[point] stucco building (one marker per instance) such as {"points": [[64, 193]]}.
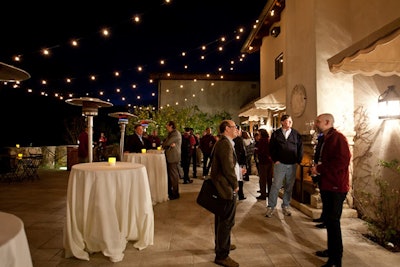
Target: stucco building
{"points": [[331, 56], [210, 93]]}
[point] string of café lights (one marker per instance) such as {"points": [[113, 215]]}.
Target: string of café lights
{"points": [[219, 43]]}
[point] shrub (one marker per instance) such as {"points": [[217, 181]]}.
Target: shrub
{"points": [[382, 208]]}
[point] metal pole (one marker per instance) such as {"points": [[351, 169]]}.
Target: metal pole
{"points": [[90, 138], [121, 142]]}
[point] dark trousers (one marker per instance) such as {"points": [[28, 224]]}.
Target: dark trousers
{"points": [[185, 163], [240, 192], [323, 213], [248, 165], [333, 206], [265, 178], [194, 162], [173, 180], [206, 168], [223, 226]]}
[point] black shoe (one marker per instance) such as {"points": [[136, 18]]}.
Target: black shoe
{"points": [[173, 197], [320, 220], [328, 264], [321, 225], [227, 262], [261, 197], [322, 253], [188, 182]]}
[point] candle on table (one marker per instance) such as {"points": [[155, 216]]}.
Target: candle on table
{"points": [[112, 160]]}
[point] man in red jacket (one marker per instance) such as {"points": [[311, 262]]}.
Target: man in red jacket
{"points": [[334, 170]]}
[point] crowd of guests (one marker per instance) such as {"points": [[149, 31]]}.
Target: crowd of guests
{"points": [[277, 158], [227, 159]]}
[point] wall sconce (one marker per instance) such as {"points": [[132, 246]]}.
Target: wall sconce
{"points": [[275, 31], [389, 104]]}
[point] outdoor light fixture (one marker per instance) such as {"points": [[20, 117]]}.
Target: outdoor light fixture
{"points": [[389, 104], [275, 31]]}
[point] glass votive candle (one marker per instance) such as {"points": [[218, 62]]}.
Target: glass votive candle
{"points": [[159, 148], [143, 150], [112, 160], [17, 145], [20, 155]]}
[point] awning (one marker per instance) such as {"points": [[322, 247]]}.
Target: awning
{"points": [[378, 53], [259, 107]]}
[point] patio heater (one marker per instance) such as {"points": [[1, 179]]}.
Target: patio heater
{"points": [[10, 73], [90, 108], [122, 121]]}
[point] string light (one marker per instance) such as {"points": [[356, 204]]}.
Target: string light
{"points": [[106, 33]]}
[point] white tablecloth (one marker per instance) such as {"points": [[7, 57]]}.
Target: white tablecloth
{"points": [[106, 207], [14, 248], [156, 167]]}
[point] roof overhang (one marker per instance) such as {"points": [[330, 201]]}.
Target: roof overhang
{"points": [[378, 53], [260, 107], [270, 15]]}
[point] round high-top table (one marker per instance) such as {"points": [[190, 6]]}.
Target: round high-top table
{"points": [[14, 248], [107, 206], [156, 167]]}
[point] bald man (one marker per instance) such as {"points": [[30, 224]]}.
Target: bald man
{"points": [[333, 168]]}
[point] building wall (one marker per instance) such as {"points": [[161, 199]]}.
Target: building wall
{"points": [[312, 31], [301, 60], [211, 96]]}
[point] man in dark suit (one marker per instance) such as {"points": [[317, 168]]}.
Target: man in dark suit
{"points": [[224, 174], [172, 146], [136, 141]]}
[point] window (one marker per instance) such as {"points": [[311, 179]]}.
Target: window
{"points": [[279, 66]]}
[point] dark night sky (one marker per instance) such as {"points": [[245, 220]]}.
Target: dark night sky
{"points": [[165, 31]]}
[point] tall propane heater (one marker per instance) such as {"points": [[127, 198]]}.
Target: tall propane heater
{"points": [[90, 107], [123, 118], [10, 73]]}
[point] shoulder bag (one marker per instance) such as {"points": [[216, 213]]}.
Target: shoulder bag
{"points": [[209, 199]]}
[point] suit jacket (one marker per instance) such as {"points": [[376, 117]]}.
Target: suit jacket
{"points": [[223, 165], [173, 154], [134, 145]]}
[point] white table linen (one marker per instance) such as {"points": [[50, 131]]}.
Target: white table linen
{"points": [[107, 206], [156, 167], [14, 248]]}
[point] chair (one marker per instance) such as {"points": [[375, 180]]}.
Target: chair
{"points": [[31, 165], [8, 169]]}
